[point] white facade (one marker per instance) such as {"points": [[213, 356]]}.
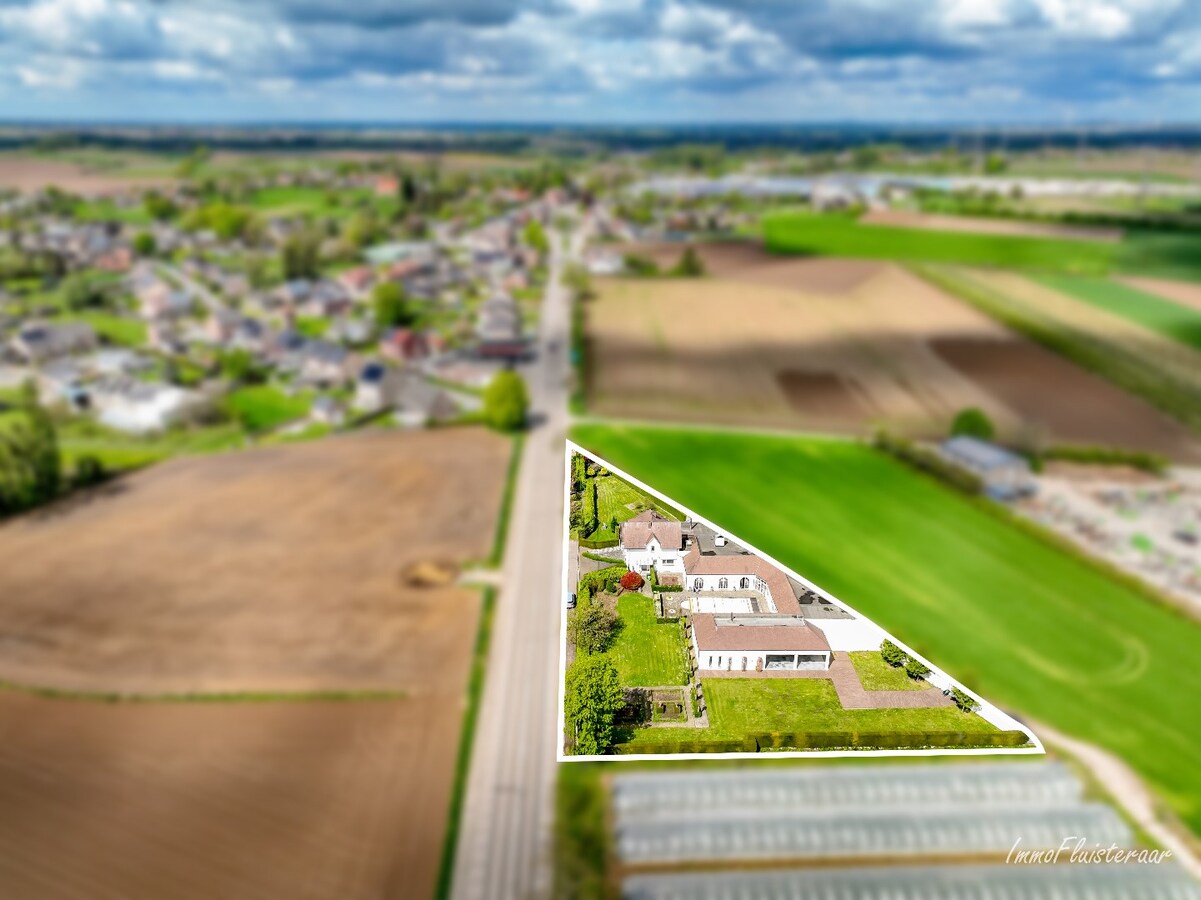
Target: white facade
{"points": [[654, 554], [749, 660], [717, 583]]}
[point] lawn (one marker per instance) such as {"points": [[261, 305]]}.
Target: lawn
{"points": [[1030, 626], [742, 706], [647, 653], [1167, 253], [614, 497], [264, 407], [1172, 320], [118, 451], [877, 675], [122, 330], [292, 201]]}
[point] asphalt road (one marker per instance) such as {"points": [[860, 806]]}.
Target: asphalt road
{"points": [[505, 833]]}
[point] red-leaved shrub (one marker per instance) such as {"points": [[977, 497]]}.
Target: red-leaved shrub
{"points": [[631, 581]]}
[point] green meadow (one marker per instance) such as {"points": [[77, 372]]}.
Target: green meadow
{"points": [[1034, 628], [1172, 320], [1167, 253]]}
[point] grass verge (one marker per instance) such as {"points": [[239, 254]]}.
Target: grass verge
{"points": [[475, 690]]}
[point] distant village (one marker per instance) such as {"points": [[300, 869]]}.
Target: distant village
{"points": [[143, 326]]}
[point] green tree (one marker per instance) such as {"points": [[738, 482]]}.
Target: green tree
{"points": [[973, 422], [535, 236], [240, 367], [506, 401], [590, 627], [300, 255], [593, 697], [144, 244], [392, 308], [915, 669], [689, 265], [82, 290], [158, 207]]}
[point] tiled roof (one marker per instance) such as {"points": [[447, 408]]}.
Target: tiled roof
{"points": [[789, 635], [638, 531]]}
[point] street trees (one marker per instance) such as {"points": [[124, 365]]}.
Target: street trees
{"points": [[593, 697], [506, 401], [391, 307]]}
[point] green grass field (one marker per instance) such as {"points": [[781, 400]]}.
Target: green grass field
{"points": [[1171, 254], [1172, 320], [647, 653], [1031, 627], [877, 675], [123, 330], [293, 201], [264, 407]]}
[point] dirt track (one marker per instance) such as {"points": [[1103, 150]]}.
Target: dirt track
{"points": [[1186, 293], [979, 225]]}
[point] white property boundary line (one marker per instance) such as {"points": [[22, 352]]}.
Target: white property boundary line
{"points": [[995, 715]]}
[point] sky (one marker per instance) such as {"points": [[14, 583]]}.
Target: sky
{"points": [[1060, 62]]}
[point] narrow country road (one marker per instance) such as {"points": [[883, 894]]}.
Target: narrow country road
{"points": [[504, 846]]}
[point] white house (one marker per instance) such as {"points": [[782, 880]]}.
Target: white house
{"points": [[731, 643], [650, 539]]}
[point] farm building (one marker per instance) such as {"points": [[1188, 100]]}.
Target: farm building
{"points": [[758, 643], [1005, 475]]}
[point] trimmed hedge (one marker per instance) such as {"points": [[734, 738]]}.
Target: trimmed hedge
{"points": [[887, 740], [831, 740], [1109, 456], [928, 461], [699, 745], [599, 544]]}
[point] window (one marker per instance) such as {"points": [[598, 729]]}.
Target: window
{"points": [[697, 584], [723, 583], [744, 584], [744, 664], [719, 662], [710, 660]]}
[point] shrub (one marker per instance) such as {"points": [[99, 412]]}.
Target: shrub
{"points": [[892, 654], [636, 264], [689, 264], [915, 669], [828, 740], [506, 401], [631, 581], [590, 627], [89, 470], [973, 422], [963, 701], [1110, 456]]}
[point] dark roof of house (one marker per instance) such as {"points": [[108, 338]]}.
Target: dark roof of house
{"points": [[788, 634]]}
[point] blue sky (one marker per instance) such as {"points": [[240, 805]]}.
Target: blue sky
{"points": [[624, 61]]}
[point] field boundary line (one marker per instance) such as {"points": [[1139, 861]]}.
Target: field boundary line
{"points": [[314, 696]]}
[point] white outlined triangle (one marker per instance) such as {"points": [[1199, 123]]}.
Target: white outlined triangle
{"points": [[990, 712]]}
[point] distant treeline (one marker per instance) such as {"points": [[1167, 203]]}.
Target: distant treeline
{"points": [[513, 138]]}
